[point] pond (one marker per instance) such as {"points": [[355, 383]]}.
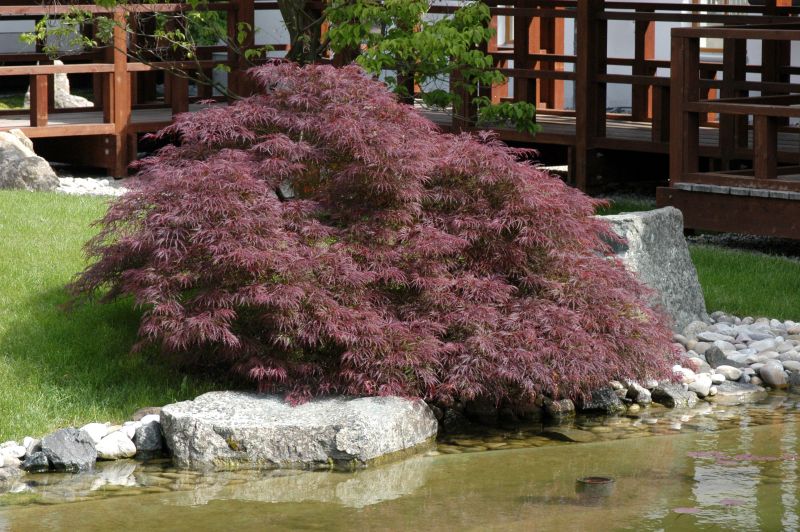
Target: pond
{"points": [[726, 468]]}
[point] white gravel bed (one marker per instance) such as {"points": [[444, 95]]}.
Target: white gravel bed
{"points": [[91, 186]]}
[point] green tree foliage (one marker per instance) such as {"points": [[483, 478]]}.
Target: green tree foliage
{"points": [[396, 39]]}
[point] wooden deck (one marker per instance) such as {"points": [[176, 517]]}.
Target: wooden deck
{"points": [[89, 122]]}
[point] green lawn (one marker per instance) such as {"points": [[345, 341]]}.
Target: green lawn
{"points": [[622, 204], [11, 102], [62, 368], [748, 284]]}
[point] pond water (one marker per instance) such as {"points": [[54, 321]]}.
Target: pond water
{"points": [[726, 468]]}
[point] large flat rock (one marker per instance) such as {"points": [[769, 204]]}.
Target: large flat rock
{"points": [[657, 253], [232, 430]]}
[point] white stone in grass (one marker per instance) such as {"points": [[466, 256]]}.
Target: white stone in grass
{"points": [[115, 446]]}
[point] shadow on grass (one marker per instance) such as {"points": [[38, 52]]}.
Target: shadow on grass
{"points": [[67, 368]]}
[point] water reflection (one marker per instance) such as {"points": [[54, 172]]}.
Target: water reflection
{"points": [[745, 478]]}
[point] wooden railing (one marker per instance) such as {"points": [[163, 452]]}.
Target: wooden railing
{"points": [[122, 86], [542, 70], [748, 154]]}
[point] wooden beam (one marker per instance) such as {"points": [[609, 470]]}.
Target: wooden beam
{"points": [[740, 214]]}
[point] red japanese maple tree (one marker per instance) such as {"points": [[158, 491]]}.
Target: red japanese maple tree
{"points": [[408, 262]]}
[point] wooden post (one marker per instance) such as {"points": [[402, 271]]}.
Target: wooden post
{"points": [[732, 128], [659, 130], [684, 126], [524, 88], [241, 12], [547, 36], [39, 105], [179, 88], [590, 95], [644, 50], [121, 109], [765, 147]]}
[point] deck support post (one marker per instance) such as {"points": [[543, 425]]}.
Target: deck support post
{"points": [[121, 105], [644, 50], [547, 36], [732, 129], [765, 147], [590, 94], [524, 88], [684, 126], [240, 14]]}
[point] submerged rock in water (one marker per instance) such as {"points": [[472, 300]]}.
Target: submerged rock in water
{"points": [[569, 434], [70, 450], [737, 393], [228, 430]]}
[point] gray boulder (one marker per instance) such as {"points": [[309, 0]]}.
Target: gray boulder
{"points": [[673, 396], [148, 437], [36, 463], [639, 394], [773, 375], [657, 253], [20, 167], [70, 450], [716, 358], [603, 400], [559, 409], [229, 430]]}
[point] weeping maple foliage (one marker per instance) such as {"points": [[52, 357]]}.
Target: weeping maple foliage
{"points": [[409, 261]]}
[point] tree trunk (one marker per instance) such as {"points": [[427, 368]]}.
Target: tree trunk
{"points": [[305, 30]]}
